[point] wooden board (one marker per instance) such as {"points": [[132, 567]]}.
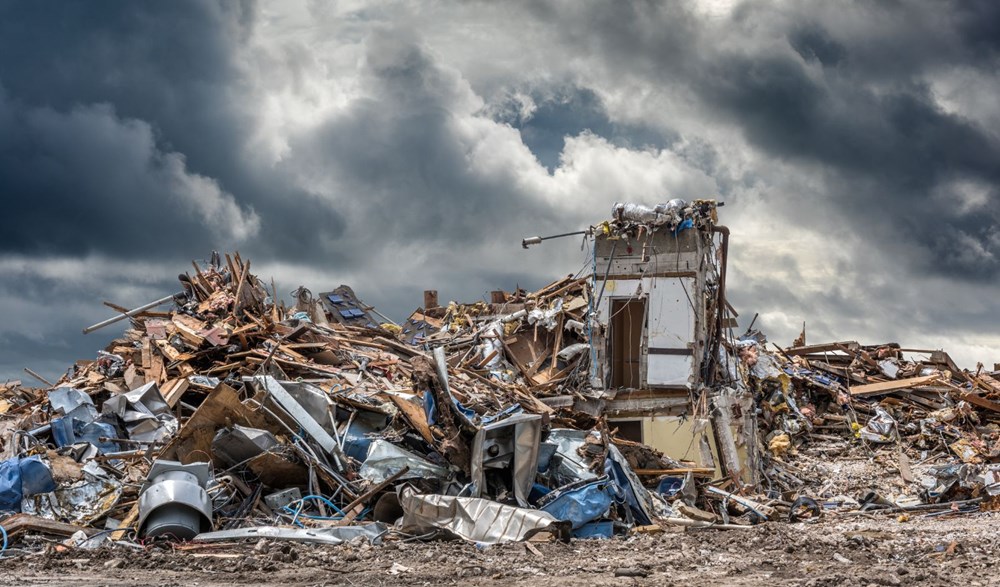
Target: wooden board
{"points": [[414, 414], [173, 390], [890, 386], [222, 407], [849, 346]]}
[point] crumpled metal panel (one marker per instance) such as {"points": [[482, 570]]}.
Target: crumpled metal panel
{"points": [[646, 506], [516, 440], [571, 466], [301, 416], [472, 518], [72, 402], [241, 443], [333, 535], [146, 415], [83, 501], [386, 459]]}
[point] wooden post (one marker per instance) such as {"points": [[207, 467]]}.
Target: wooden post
{"points": [[430, 299]]}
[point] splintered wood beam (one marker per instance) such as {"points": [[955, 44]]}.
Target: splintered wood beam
{"points": [[890, 386], [851, 346]]}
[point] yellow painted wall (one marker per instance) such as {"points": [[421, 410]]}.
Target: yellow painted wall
{"points": [[673, 437]]}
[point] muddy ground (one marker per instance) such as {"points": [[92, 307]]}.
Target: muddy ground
{"points": [[848, 551]]}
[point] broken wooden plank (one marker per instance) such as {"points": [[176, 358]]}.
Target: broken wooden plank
{"points": [[977, 400], [357, 506], [126, 524], [173, 390], [556, 348], [848, 346], [696, 471], [890, 386], [18, 524], [905, 472]]}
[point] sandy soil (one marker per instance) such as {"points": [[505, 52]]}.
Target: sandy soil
{"points": [[861, 551]]}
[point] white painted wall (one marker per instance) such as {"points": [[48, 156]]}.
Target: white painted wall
{"points": [[671, 325]]}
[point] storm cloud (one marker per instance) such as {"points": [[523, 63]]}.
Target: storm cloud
{"points": [[403, 146]]}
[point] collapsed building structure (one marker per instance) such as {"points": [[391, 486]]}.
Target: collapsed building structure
{"points": [[614, 401], [659, 368]]}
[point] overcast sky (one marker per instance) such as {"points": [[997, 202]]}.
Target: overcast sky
{"points": [[403, 146]]}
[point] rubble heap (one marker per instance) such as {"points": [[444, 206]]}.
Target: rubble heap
{"points": [[232, 416], [292, 418], [874, 427]]}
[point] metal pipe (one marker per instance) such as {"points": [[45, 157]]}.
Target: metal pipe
{"points": [[131, 313], [535, 240]]}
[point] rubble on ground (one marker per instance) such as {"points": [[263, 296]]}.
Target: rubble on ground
{"points": [[230, 417]]}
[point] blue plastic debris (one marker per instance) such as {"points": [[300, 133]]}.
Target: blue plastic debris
{"points": [[684, 225], [10, 486], [538, 491], [36, 477], [430, 409], [335, 299], [669, 486], [579, 503], [615, 471], [545, 452], [23, 477], [68, 431], [600, 529], [356, 441]]}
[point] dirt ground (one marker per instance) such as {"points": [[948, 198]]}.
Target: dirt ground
{"points": [[848, 551]]}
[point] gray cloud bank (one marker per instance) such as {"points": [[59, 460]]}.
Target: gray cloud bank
{"points": [[409, 145]]}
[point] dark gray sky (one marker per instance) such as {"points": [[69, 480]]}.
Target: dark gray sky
{"points": [[400, 146]]}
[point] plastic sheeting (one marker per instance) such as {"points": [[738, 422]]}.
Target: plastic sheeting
{"points": [[580, 503], [670, 213], [568, 467], [637, 213], [546, 318], [881, 429], [20, 478]]}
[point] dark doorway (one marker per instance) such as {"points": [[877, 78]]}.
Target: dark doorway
{"points": [[627, 429], [627, 320]]}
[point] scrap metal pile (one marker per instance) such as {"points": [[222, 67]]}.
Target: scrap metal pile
{"points": [[852, 428], [232, 416]]}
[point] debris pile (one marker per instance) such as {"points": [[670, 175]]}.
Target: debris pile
{"points": [[552, 413], [874, 428], [232, 416]]}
